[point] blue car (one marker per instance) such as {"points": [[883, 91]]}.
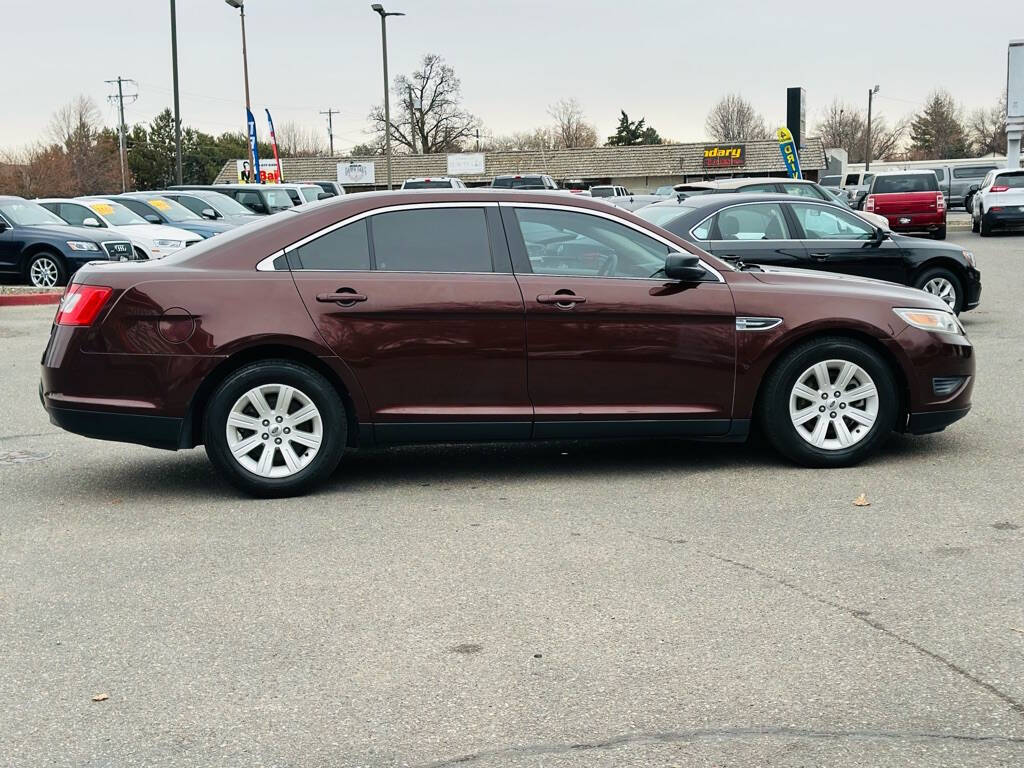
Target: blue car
{"points": [[157, 209], [44, 250]]}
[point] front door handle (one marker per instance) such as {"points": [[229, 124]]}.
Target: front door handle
{"points": [[821, 256], [346, 297], [561, 300]]}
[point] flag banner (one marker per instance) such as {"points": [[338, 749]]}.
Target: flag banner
{"points": [[789, 154], [273, 143], [254, 177]]}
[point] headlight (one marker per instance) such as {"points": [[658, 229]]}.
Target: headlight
{"points": [[170, 245], [970, 259], [931, 320], [82, 245]]}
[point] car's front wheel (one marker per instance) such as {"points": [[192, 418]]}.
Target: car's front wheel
{"points": [[944, 284], [46, 270], [275, 428], [829, 403]]}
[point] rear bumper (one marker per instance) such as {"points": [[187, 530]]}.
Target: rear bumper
{"points": [[153, 431], [915, 222], [934, 421], [1005, 218]]}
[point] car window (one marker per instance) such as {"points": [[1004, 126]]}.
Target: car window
{"points": [[852, 179], [251, 200], [757, 221], [432, 240], [584, 245], [822, 222], [867, 178], [803, 190], [763, 187], [662, 214], [27, 213], [224, 204], [940, 173], [972, 171], [194, 204], [73, 213], [311, 195], [602, 192], [279, 198], [831, 181], [1013, 180], [905, 183], [294, 196], [347, 247], [137, 206], [427, 184]]}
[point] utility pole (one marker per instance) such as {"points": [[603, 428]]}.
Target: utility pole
{"points": [[477, 139], [121, 130], [177, 108], [379, 9], [330, 126], [867, 134]]}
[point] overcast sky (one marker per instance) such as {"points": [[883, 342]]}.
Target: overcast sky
{"points": [[666, 60]]}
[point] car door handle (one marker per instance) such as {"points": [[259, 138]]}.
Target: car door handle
{"points": [[820, 256], [562, 300], [345, 296]]}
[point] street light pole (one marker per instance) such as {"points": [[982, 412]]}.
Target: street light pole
{"points": [[177, 109], [867, 135], [240, 5], [379, 9]]}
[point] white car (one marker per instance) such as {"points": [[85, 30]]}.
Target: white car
{"points": [[998, 201], [154, 241], [434, 182]]}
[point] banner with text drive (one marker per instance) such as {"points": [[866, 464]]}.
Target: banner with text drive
{"points": [[253, 148], [273, 144], [789, 154]]}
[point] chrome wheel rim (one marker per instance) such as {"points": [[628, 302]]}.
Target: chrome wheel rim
{"points": [[943, 288], [43, 273], [274, 430], [833, 405]]}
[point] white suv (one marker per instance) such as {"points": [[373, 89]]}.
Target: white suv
{"points": [[998, 201], [434, 182]]}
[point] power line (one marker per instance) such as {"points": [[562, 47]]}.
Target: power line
{"points": [[330, 126], [120, 97]]}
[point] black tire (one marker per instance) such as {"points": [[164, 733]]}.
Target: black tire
{"points": [[310, 384], [940, 233], [941, 272], [54, 265], [985, 227], [773, 403], [974, 222], [140, 254]]}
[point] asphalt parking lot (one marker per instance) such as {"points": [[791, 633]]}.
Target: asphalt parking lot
{"points": [[565, 604]]}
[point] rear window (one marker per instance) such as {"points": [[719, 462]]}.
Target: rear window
{"points": [[439, 240], [1011, 180], [344, 248], [427, 185], [519, 182], [662, 214], [830, 181], [311, 195], [911, 182], [602, 192], [852, 179], [940, 173], [972, 171]]}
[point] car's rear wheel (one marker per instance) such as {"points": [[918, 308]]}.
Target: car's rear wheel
{"points": [[944, 284], [940, 233], [974, 222], [984, 226], [275, 428], [829, 403], [46, 270]]}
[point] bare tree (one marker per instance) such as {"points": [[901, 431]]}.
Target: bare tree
{"points": [[987, 129], [844, 126], [426, 110], [734, 118], [571, 127], [542, 138], [92, 152], [295, 140]]}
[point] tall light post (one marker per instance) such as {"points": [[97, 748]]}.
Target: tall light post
{"points": [[867, 135], [177, 110], [379, 9], [240, 5]]}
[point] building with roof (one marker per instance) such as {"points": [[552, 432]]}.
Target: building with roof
{"points": [[639, 169]]}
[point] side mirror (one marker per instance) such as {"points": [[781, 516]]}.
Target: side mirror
{"points": [[974, 188], [152, 218], [684, 267], [880, 234], [209, 213], [89, 221]]}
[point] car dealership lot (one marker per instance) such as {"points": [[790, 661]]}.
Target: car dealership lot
{"points": [[592, 604]]}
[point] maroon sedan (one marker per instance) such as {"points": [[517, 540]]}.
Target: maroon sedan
{"points": [[485, 315]]}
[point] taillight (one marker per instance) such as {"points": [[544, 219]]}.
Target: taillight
{"points": [[81, 304], [869, 204], [940, 202], [999, 188]]}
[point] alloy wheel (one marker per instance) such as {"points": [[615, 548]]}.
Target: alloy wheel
{"points": [[44, 272], [274, 430], [834, 404], [943, 288]]}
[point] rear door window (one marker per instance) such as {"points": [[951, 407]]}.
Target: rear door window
{"points": [[940, 173], [972, 171], [432, 240], [77, 214], [803, 190], [822, 222], [905, 183], [345, 248], [311, 194], [757, 221], [757, 188]]}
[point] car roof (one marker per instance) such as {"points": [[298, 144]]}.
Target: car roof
{"points": [[519, 175], [741, 182], [9, 198], [911, 172], [708, 201]]}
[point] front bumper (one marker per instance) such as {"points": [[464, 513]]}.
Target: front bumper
{"points": [[934, 421], [930, 356]]}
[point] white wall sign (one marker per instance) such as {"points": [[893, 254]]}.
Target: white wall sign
{"points": [[268, 172], [1015, 79], [466, 163], [356, 173]]}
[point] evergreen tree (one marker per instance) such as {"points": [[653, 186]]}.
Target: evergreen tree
{"points": [[631, 134], [938, 131]]}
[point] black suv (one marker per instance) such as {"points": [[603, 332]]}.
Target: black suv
{"points": [[44, 249], [524, 181]]}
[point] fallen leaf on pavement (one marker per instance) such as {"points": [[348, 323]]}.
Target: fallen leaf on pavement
{"points": [[1017, 629], [861, 501], [100, 697]]}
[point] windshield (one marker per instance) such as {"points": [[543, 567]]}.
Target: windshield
{"points": [[830, 181], [28, 214], [662, 214], [224, 205], [279, 199], [519, 182], [428, 185], [664, 191], [171, 210], [602, 191], [116, 214], [911, 182]]}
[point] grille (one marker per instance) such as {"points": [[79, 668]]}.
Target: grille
{"points": [[118, 251], [946, 385]]}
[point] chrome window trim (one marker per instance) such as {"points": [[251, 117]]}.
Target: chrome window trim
{"points": [[801, 200], [757, 323], [267, 264], [618, 220]]}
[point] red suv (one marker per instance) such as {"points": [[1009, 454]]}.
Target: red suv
{"points": [[910, 200], [486, 315]]}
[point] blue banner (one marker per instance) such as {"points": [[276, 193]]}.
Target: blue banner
{"points": [[254, 149], [789, 153]]}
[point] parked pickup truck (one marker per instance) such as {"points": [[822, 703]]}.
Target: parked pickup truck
{"points": [[910, 200]]}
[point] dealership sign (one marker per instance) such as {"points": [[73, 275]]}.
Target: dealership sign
{"points": [[268, 172], [466, 163], [724, 155], [356, 173]]}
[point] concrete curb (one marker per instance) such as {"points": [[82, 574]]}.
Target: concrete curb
{"points": [[28, 299]]}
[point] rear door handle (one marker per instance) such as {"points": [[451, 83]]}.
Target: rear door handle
{"points": [[345, 297], [562, 300], [820, 256]]}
